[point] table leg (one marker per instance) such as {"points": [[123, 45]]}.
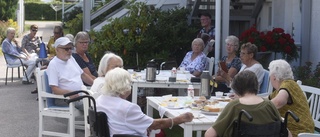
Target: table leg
{"points": [[149, 109], [199, 133], [187, 132], [134, 93]]}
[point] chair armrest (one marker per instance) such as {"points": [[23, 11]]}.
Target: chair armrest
{"points": [[49, 95]]}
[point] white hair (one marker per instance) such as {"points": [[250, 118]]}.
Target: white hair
{"points": [[104, 62], [233, 40], [281, 69], [10, 29], [117, 82], [198, 41]]}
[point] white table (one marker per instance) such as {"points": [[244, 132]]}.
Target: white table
{"points": [[183, 80], [199, 125]]}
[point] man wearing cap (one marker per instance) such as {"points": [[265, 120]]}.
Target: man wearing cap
{"points": [[205, 19], [64, 74]]}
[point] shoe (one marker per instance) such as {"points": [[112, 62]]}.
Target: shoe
{"points": [[34, 91], [27, 82]]}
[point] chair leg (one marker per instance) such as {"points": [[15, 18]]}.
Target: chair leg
{"points": [[11, 74], [40, 125], [25, 73], [18, 72], [6, 75]]}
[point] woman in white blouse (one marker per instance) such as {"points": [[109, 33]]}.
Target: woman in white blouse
{"points": [[125, 117]]}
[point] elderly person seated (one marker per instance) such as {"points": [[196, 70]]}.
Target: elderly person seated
{"points": [[108, 61], [289, 96], [64, 74], [195, 60], [247, 55], [245, 85], [233, 63], [31, 42], [12, 54], [126, 117], [81, 55], [57, 33]]}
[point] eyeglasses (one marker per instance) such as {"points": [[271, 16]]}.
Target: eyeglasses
{"points": [[34, 30], [85, 42], [67, 49], [228, 44], [204, 19], [243, 53]]}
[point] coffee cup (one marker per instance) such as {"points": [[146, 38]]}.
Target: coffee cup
{"points": [[219, 94]]}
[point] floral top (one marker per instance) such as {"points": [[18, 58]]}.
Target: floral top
{"points": [[198, 64], [235, 63]]}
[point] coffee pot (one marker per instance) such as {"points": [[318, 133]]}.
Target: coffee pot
{"points": [[151, 71], [205, 84]]}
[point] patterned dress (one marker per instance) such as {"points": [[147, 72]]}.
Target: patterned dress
{"points": [[198, 64], [299, 106]]}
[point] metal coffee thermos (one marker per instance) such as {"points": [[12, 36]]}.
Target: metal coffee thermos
{"points": [[151, 71], [205, 84]]}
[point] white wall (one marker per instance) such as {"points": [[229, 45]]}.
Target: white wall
{"points": [[263, 18], [315, 33]]}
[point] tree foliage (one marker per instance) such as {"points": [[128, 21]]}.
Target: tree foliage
{"points": [[8, 9], [150, 33]]}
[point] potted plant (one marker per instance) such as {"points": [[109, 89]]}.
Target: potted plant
{"points": [[275, 40]]}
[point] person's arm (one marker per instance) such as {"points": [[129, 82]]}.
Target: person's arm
{"points": [[222, 76], [23, 46], [169, 122], [58, 91], [86, 78], [196, 73], [281, 99], [210, 133], [87, 71]]}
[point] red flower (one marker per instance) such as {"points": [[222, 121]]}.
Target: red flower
{"points": [[288, 49], [276, 41], [282, 40], [278, 30], [263, 49]]}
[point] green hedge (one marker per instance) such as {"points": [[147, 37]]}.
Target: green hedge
{"points": [[41, 11]]}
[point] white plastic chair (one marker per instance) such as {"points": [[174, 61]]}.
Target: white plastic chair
{"points": [[14, 66], [265, 87], [210, 65], [49, 109], [313, 98], [308, 135]]}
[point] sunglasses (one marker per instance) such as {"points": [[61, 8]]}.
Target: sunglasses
{"points": [[34, 30], [67, 49]]}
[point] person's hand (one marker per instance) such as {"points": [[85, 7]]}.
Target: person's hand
{"points": [[222, 73], [186, 117]]}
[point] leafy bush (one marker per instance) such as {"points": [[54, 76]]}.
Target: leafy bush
{"points": [[40, 11], [151, 34], [72, 14], [4, 26], [8, 9], [75, 25], [307, 75]]}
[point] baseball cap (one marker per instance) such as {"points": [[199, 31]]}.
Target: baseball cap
{"points": [[207, 14], [62, 41]]}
